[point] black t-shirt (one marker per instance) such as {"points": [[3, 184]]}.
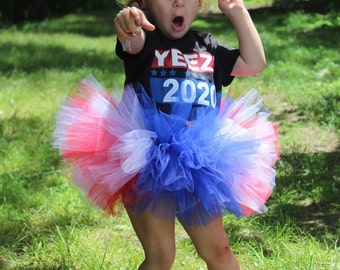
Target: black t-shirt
{"points": [[192, 69]]}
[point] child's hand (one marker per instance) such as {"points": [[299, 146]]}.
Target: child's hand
{"points": [[129, 21], [229, 6], [252, 59]]}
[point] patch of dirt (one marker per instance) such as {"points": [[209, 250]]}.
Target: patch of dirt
{"points": [[318, 140], [310, 137]]}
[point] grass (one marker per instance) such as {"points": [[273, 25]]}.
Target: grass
{"points": [[45, 222]]}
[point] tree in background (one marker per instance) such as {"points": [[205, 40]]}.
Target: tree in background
{"points": [[317, 6], [17, 11]]}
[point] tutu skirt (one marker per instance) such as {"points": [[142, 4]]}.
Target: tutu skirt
{"points": [[193, 170]]}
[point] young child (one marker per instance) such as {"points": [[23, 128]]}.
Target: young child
{"points": [[171, 147]]}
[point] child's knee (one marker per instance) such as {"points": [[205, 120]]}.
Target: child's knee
{"points": [[224, 250], [168, 259], [217, 252], [162, 258]]}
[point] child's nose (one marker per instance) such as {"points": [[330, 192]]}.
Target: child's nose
{"points": [[178, 3]]}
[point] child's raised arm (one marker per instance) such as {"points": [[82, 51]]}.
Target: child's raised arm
{"points": [[252, 58], [129, 24]]}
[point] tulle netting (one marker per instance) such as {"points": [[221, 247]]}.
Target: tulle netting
{"points": [[163, 163]]}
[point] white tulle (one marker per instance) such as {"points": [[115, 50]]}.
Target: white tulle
{"points": [[222, 161]]}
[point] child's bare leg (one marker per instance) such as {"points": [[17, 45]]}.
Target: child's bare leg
{"points": [[157, 238], [212, 245]]}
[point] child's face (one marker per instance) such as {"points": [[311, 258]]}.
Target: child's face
{"points": [[172, 17]]}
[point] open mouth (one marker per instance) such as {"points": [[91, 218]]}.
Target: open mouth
{"points": [[178, 23]]}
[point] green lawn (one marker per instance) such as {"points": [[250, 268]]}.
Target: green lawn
{"points": [[46, 223]]}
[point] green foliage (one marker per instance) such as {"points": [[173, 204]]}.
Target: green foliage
{"points": [[319, 6], [18, 11], [46, 223]]}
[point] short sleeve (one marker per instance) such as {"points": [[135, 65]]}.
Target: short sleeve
{"points": [[225, 60]]}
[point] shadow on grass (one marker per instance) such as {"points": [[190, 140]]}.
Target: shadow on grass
{"points": [[92, 24], [305, 203], [307, 193], [280, 28], [32, 58]]}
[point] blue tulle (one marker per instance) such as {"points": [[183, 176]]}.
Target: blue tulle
{"points": [[190, 164], [172, 164]]}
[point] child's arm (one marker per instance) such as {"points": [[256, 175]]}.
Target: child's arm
{"points": [[252, 58], [129, 24]]}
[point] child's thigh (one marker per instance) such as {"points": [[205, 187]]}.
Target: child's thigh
{"points": [[154, 233], [209, 237]]}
